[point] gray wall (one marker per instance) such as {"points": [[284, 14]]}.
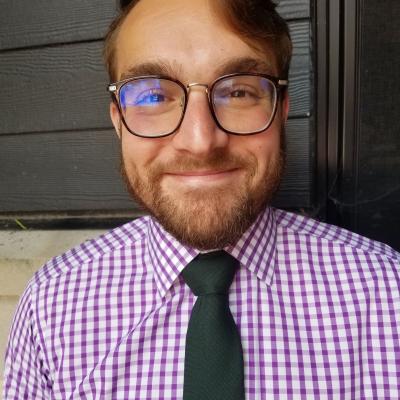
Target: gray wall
{"points": [[58, 153]]}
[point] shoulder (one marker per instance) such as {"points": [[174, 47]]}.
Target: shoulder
{"points": [[326, 237], [108, 245]]}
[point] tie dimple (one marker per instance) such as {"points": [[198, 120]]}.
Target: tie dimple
{"points": [[210, 273]]}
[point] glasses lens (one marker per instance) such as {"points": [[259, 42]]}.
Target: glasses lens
{"points": [[244, 103], [151, 107]]}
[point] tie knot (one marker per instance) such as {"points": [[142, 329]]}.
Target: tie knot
{"points": [[210, 273]]}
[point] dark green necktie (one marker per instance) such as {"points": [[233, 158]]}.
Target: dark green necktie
{"points": [[214, 355]]}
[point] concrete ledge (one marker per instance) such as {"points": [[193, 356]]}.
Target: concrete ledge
{"points": [[41, 244], [22, 253]]}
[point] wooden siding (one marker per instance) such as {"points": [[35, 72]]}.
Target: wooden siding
{"points": [[57, 148]]}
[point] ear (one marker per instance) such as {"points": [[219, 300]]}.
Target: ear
{"points": [[116, 119], [285, 106]]}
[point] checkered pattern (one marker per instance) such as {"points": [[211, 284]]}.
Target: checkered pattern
{"points": [[317, 307]]}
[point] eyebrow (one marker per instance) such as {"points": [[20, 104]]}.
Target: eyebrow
{"points": [[173, 70], [151, 68], [245, 64]]}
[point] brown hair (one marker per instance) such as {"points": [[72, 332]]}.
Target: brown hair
{"points": [[255, 21]]}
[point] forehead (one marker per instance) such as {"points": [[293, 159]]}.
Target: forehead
{"points": [[189, 35]]}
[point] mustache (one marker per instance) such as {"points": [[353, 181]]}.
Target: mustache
{"points": [[217, 160]]}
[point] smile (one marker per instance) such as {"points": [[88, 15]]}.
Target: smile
{"points": [[203, 177]]}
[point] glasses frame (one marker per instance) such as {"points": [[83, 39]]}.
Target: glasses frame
{"points": [[280, 86]]}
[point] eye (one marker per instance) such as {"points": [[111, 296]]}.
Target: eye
{"points": [[231, 90], [149, 98], [242, 93], [236, 95]]}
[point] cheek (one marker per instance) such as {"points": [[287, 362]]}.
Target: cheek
{"points": [[140, 152], [266, 150]]}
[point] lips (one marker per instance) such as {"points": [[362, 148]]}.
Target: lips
{"points": [[201, 173], [203, 177]]}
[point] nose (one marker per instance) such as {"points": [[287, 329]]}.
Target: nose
{"points": [[198, 133]]}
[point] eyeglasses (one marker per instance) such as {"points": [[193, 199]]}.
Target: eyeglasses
{"points": [[241, 103]]}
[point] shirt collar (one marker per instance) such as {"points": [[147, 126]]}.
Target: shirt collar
{"points": [[167, 255], [255, 250]]}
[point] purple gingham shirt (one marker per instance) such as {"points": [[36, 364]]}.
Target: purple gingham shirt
{"points": [[318, 309]]}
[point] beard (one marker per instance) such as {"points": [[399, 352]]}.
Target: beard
{"points": [[209, 218]]}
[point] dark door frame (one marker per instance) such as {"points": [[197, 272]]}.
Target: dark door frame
{"points": [[336, 59]]}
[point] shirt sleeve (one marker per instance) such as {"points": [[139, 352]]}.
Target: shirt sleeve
{"points": [[24, 373]]}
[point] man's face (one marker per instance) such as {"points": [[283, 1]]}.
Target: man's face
{"points": [[205, 186]]}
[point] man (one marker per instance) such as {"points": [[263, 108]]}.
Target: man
{"points": [[199, 104]]}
